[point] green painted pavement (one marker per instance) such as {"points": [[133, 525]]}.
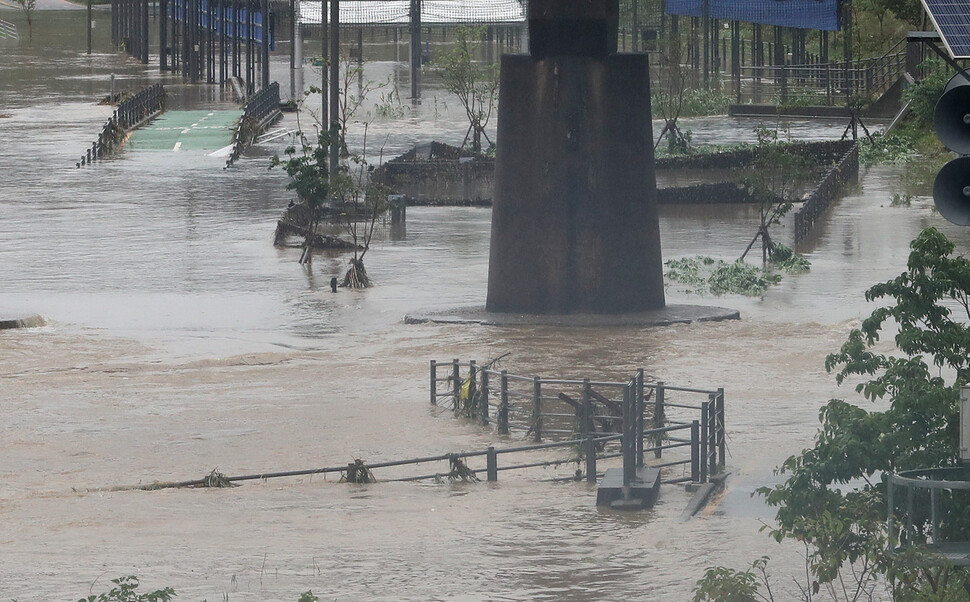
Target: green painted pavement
{"points": [[186, 131]]}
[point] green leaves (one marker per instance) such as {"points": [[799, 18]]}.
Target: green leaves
{"points": [[124, 591]]}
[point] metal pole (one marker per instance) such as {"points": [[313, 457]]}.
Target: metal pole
{"points": [[265, 41], [695, 456], [484, 397], [144, 32], [629, 437], [89, 26], [639, 416], [491, 463], [455, 383], [325, 54], [590, 446], [503, 410], [415, 48], [434, 382], [658, 413], [334, 81], [721, 443], [537, 409], [703, 439]]}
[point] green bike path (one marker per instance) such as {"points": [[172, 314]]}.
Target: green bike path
{"points": [[186, 131]]}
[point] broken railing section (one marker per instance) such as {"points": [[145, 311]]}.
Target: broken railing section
{"points": [[129, 114], [591, 415], [262, 109]]}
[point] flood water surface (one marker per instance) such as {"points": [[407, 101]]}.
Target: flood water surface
{"points": [[181, 341]]}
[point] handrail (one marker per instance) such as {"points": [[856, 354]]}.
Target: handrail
{"points": [[129, 114]]}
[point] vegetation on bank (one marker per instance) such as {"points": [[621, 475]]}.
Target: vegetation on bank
{"points": [[833, 501], [126, 590]]}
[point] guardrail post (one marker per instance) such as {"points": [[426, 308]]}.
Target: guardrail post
{"points": [[721, 444], [695, 452], [485, 397], [590, 447], [455, 383], [503, 409], [658, 413], [629, 437], [586, 415], [703, 440], [537, 409], [434, 382], [491, 463], [711, 437], [639, 416], [472, 389]]}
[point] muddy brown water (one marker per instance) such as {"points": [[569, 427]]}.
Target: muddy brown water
{"points": [[181, 341]]}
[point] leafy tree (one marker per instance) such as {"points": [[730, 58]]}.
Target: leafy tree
{"points": [[833, 499], [670, 94], [475, 84], [309, 173]]}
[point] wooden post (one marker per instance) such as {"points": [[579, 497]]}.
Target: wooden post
{"points": [[484, 397], [503, 409], [455, 383], [658, 414], [590, 448], [703, 439], [434, 382], [695, 452], [537, 409], [491, 462]]}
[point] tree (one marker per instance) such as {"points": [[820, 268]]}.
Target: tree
{"points": [[774, 182], [28, 6], [668, 97], [833, 500], [309, 173], [475, 84]]}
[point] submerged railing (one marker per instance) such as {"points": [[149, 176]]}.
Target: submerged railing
{"points": [[261, 109], [661, 417], [828, 189], [129, 114]]}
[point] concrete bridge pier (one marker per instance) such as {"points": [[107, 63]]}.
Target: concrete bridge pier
{"points": [[574, 218]]}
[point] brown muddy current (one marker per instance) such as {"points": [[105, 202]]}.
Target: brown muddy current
{"points": [[181, 341]]}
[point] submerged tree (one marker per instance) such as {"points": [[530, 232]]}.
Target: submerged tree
{"points": [[307, 166], [474, 83], [669, 96], [28, 6]]}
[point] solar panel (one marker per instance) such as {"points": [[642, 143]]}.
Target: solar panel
{"points": [[952, 19]]}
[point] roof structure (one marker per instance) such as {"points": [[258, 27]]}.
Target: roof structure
{"points": [[433, 12], [951, 18]]}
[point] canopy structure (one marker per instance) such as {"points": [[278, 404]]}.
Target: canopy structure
{"points": [[433, 12], [951, 18]]}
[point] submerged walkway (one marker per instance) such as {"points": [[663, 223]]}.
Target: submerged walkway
{"points": [[186, 131]]}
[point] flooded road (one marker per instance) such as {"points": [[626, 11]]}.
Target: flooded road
{"points": [[181, 341]]}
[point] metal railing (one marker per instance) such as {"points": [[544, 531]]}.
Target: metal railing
{"points": [[925, 494], [261, 109], [828, 189], [8, 30], [660, 417], [129, 114]]}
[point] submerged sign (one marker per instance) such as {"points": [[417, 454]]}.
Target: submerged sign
{"points": [[804, 14]]}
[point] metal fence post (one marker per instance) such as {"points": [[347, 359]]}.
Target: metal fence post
{"points": [[537, 409], [711, 437], [590, 446], [639, 416], [658, 414], [695, 455], [484, 396], [721, 443], [629, 437], [434, 382], [491, 462], [455, 383], [503, 409], [472, 388], [586, 415], [703, 439]]}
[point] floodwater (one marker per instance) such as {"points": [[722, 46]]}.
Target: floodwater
{"points": [[181, 341]]}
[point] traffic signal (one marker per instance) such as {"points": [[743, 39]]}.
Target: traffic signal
{"points": [[951, 120]]}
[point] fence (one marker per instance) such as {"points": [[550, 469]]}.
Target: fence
{"points": [[827, 191], [8, 30], [599, 415], [129, 114], [261, 109]]}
